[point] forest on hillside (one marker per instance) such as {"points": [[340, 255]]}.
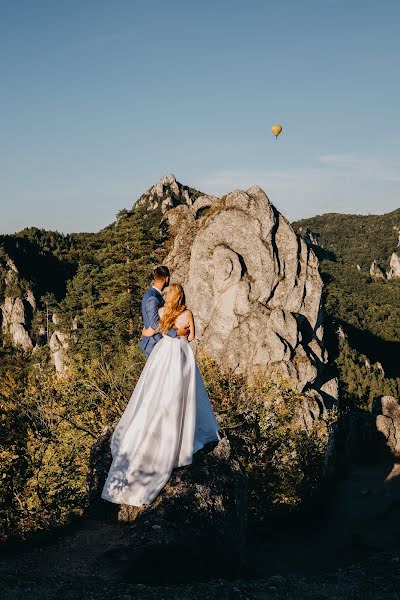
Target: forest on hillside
{"points": [[366, 310]]}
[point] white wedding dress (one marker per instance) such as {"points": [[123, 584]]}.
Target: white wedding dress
{"points": [[168, 418]]}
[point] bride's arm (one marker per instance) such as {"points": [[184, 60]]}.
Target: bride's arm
{"points": [[192, 332]]}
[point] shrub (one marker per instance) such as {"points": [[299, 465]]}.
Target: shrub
{"points": [[48, 425], [284, 461]]}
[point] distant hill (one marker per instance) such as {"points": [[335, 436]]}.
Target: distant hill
{"points": [[356, 239], [367, 309]]}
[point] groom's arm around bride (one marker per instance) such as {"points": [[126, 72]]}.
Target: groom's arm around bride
{"points": [[151, 303]]}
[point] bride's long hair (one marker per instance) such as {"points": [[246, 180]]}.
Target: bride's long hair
{"points": [[173, 307]]}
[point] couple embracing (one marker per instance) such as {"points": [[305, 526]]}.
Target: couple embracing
{"points": [[169, 416]]}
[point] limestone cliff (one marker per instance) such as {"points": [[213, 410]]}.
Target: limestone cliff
{"points": [[17, 306], [254, 287]]}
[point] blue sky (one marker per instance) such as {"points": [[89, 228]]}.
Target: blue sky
{"points": [[99, 99]]}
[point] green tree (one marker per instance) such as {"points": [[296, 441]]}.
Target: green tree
{"points": [[125, 259]]}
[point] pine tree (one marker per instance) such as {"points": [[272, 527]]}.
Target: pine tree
{"points": [[125, 261]]}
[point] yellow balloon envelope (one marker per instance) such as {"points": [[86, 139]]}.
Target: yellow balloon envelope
{"points": [[276, 129]]}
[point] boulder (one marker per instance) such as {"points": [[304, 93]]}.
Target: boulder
{"points": [[253, 285], [195, 529]]}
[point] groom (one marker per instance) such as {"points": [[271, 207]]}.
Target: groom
{"points": [[151, 302]]}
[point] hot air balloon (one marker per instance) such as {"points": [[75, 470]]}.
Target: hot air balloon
{"points": [[276, 129]]}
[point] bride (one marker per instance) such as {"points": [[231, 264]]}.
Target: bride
{"points": [[167, 419]]}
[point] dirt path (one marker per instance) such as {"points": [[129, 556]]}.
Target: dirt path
{"points": [[351, 551]]}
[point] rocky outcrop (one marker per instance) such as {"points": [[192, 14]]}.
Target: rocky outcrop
{"points": [[386, 410], [329, 390], [195, 529], [167, 193], [394, 267], [59, 351], [254, 287], [376, 271], [14, 324], [17, 309]]}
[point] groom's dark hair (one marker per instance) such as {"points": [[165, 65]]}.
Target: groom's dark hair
{"points": [[161, 272]]}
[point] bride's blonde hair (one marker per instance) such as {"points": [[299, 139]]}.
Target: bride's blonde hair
{"points": [[173, 307]]}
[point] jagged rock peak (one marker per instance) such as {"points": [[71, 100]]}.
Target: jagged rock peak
{"points": [[376, 271], [167, 193], [394, 267], [254, 287]]}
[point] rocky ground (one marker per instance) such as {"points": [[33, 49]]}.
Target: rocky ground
{"points": [[351, 551], [66, 570]]}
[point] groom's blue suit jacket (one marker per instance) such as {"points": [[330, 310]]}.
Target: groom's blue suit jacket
{"points": [[151, 302]]}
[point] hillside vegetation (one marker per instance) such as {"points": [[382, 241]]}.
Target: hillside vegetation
{"points": [[88, 286], [367, 310]]}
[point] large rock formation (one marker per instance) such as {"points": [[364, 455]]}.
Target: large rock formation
{"points": [[195, 529], [253, 285], [14, 323], [17, 308]]}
